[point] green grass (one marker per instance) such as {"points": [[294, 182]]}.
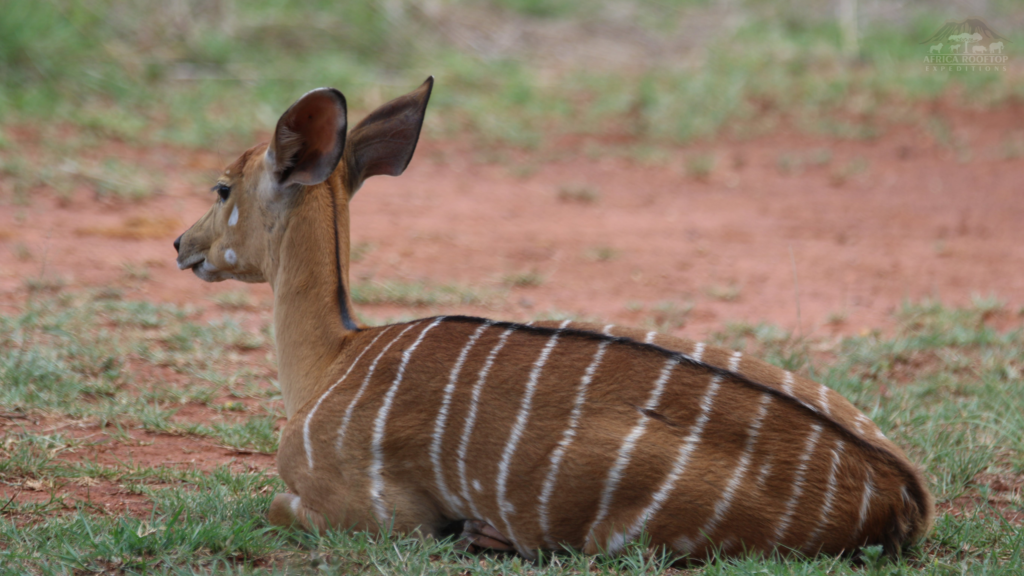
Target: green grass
{"points": [[524, 279], [213, 74], [400, 293], [78, 356], [945, 386]]}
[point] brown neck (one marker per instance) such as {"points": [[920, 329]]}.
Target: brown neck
{"points": [[312, 305]]}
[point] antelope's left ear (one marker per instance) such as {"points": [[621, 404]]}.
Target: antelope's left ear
{"points": [[309, 139], [383, 143]]}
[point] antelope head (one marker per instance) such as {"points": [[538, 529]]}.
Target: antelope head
{"points": [[241, 235]]}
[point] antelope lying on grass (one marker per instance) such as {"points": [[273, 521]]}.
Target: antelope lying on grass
{"points": [[523, 436]]}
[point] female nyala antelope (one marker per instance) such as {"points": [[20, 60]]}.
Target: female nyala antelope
{"points": [[523, 436]]}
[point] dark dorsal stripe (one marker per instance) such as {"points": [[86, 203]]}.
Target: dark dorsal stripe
{"points": [[346, 315]]}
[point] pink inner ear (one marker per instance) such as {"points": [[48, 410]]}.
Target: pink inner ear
{"points": [[316, 119]]}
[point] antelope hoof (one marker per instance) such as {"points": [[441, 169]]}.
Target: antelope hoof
{"points": [[478, 535]]}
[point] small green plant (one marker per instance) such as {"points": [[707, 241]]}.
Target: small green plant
{"points": [[724, 292], [401, 293], [45, 283], [601, 253], [524, 279], [836, 318], [232, 299], [133, 271], [699, 166], [788, 163], [578, 193], [21, 251], [842, 174], [360, 250], [667, 316]]}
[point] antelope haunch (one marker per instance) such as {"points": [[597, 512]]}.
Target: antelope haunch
{"points": [[523, 436]]}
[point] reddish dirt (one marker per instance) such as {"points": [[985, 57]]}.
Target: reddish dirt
{"points": [[881, 221]]}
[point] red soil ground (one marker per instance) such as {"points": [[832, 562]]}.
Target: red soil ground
{"points": [[847, 236]]}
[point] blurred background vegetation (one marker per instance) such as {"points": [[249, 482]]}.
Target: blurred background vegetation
{"points": [[208, 73]]}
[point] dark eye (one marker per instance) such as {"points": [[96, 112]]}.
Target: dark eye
{"points": [[222, 190]]}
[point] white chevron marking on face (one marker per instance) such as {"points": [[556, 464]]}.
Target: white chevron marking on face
{"points": [[233, 219], [377, 440], [306, 442]]}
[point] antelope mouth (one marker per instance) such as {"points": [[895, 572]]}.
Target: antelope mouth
{"points": [[192, 262]]}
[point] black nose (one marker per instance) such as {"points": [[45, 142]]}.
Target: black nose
{"points": [[177, 244]]}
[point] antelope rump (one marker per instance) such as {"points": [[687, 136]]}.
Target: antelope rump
{"points": [[525, 437]]}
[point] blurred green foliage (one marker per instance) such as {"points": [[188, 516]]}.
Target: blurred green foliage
{"points": [[210, 72]]}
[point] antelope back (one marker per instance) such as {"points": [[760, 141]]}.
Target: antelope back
{"points": [[583, 436]]}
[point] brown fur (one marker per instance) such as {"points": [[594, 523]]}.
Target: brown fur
{"points": [[811, 452]]}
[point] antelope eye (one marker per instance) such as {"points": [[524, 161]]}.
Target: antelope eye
{"points": [[222, 190]]}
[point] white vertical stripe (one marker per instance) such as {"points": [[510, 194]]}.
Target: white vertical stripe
{"points": [[362, 388], [798, 482], [865, 503], [725, 502], [823, 398], [306, 441], [766, 469], [858, 422], [626, 449], [467, 428], [649, 339], [568, 435], [686, 450], [830, 496], [787, 382], [698, 351], [684, 545], [518, 427], [377, 440], [734, 361], [787, 387], [442, 418]]}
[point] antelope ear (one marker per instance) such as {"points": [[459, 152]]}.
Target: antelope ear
{"points": [[383, 143], [309, 139]]}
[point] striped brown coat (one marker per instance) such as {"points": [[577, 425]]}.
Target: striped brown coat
{"points": [[527, 436]]}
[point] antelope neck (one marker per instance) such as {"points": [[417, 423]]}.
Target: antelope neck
{"points": [[308, 282]]}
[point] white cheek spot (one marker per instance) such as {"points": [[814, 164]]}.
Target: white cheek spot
{"points": [[233, 219], [230, 256]]}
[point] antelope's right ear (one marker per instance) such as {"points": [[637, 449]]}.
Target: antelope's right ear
{"points": [[309, 139], [383, 143]]}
